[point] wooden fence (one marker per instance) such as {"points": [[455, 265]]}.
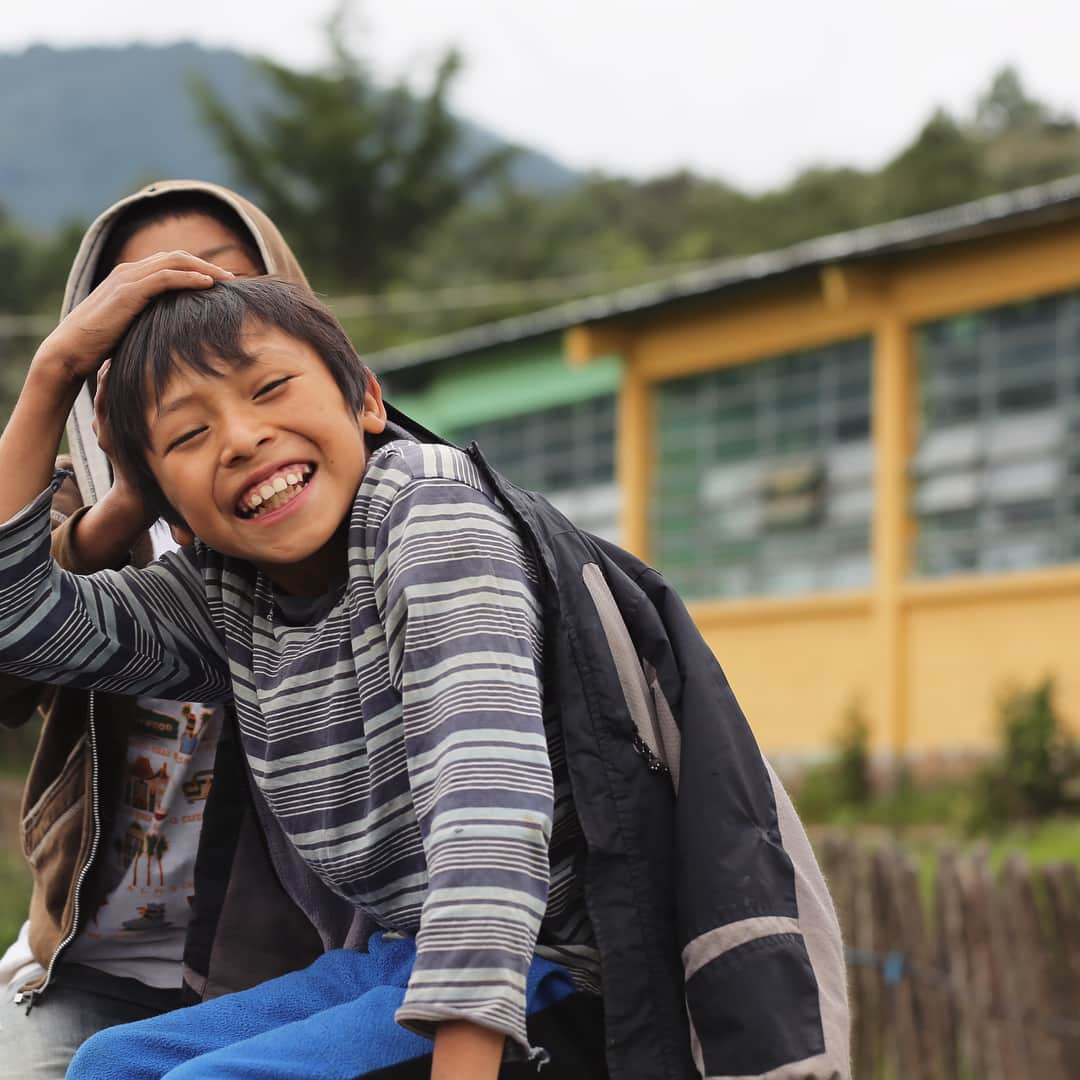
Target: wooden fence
{"points": [[968, 976]]}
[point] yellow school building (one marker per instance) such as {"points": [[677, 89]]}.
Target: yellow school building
{"points": [[858, 459]]}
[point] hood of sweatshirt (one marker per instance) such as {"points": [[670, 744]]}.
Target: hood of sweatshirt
{"points": [[91, 466]]}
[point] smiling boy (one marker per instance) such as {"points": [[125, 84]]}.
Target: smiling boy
{"points": [[373, 616]]}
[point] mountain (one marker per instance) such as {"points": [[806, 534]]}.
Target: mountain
{"points": [[81, 127]]}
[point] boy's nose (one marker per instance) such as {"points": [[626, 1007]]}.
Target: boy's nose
{"points": [[243, 436]]}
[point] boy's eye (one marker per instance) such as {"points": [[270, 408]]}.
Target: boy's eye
{"points": [[271, 386], [186, 437]]}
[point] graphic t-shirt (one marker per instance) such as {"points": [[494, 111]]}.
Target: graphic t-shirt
{"points": [[149, 859]]}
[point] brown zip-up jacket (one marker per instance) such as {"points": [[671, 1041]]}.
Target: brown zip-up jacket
{"points": [[57, 829], [244, 927]]}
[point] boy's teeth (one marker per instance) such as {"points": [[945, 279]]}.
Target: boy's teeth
{"points": [[274, 492]]}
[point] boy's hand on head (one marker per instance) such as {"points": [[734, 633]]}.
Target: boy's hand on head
{"points": [[102, 432], [76, 348], [111, 528]]}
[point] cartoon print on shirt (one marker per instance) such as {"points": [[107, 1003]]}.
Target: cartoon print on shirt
{"points": [[154, 846], [193, 728], [197, 789], [151, 917], [148, 871], [131, 843], [145, 786], [155, 724]]}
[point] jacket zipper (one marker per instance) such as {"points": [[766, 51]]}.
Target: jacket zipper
{"points": [[30, 997]]}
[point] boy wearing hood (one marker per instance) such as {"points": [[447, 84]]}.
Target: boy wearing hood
{"points": [[116, 796]]}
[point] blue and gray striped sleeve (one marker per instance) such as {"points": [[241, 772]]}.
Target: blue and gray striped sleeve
{"points": [[130, 631], [463, 628]]}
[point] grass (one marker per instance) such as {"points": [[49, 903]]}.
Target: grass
{"points": [[14, 896], [1057, 840], [16, 750], [14, 874], [945, 805], [1053, 841]]}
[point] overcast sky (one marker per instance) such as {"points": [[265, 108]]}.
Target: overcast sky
{"points": [[750, 91]]}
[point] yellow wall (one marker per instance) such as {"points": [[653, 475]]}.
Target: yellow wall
{"points": [[928, 659], [970, 639], [791, 663]]}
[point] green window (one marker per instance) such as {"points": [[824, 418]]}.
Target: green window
{"points": [[566, 453], [763, 478], [544, 424], [996, 473]]}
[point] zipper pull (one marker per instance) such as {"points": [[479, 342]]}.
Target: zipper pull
{"points": [[27, 996], [652, 762]]}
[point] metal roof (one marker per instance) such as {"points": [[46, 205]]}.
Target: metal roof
{"points": [[994, 214]]}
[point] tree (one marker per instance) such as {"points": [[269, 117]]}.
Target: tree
{"points": [[35, 267], [17, 254], [1006, 106], [355, 174], [1025, 141], [944, 166]]}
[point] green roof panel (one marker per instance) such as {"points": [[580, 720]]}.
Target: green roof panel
{"points": [[507, 384]]}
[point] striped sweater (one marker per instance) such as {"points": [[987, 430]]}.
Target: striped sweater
{"points": [[398, 736]]}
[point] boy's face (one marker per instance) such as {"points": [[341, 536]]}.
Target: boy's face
{"points": [[263, 461], [197, 233]]}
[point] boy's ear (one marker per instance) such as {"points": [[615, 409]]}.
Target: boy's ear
{"points": [[372, 415], [182, 535]]}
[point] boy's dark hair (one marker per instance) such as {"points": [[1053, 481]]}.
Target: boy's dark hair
{"points": [[166, 207], [193, 328]]}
